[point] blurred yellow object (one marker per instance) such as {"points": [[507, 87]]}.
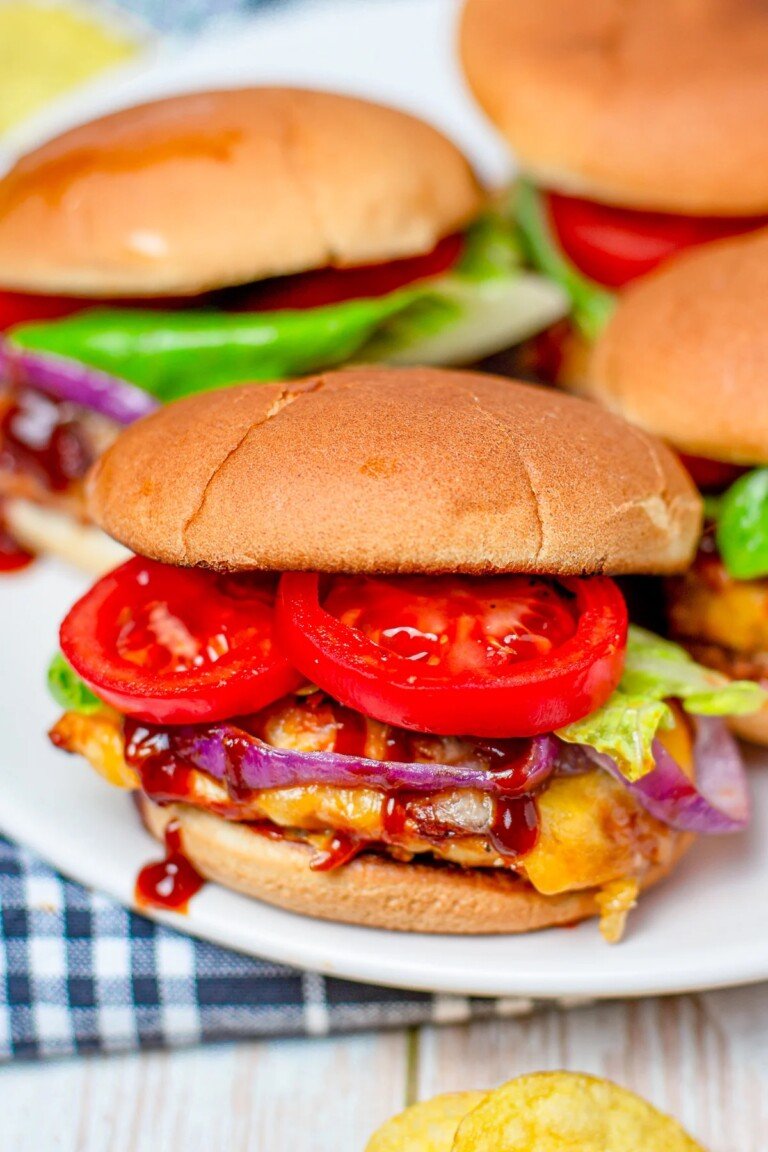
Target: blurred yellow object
{"points": [[543, 1112], [568, 1112], [47, 48], [429, 1126]]}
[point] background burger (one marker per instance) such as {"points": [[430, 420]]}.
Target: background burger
{"points": [[369, 663], [227, 236], [639, 134], [686, 356]]}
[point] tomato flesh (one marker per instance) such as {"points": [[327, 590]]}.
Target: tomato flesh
{"points": [[20, 307], [176, 645], [614, 245], [302, 290], [456, 626], [335, 285], [497, 656], [711, 475], [23, 308]]}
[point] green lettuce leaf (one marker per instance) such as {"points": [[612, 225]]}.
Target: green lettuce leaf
{"points": [[491, 245], [68, 689], [485, 304], [659, 669], [742, 526], [655, 671], [592, 305], [624, 729], [486, 316]]}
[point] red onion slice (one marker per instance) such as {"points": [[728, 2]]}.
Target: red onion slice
{"points": [[716, 804], [242, 761], [82, 385]]}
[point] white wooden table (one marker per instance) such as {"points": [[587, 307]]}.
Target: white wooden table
{"points": [[704, 1058]]}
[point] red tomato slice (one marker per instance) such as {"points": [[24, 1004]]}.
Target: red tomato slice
{"points": [[20, 307], [615, 245], [334, 285], [711, 475], [304, 290], [178, 645], [497, 656]]}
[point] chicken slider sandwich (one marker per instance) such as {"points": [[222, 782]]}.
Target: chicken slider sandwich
{"points": [[218, 237], [686, 357], [640, 126], [370, 663]]}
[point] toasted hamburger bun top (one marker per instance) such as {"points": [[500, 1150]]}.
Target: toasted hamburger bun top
{"points": [[396, 470], [658, 104], [218, 188], [686, 352]]}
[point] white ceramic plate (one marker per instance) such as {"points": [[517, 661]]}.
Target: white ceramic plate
{"points": [[706, 927]]}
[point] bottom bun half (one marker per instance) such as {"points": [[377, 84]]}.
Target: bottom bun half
{"points": [[374, 890], [53, 532]]}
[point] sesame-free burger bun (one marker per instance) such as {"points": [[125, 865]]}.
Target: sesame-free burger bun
{"points": [[213, 189], [685, 354], [376, 890], [659, 104], [396, 470]]}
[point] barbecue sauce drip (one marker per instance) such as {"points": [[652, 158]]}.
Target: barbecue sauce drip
{"points": [[12, 556], [513, 832], [42, 438], [172, 882], [157, 756], [515, 827], [149, 751], [340, 850]]}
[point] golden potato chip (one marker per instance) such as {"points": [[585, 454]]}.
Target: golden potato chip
{"points": [[428, 1126], [567, 1112]]}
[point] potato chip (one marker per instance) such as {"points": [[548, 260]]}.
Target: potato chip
{"points": [[428, 1126], [567, 1112]]}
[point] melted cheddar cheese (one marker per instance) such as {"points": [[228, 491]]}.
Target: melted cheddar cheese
{"points": [[707, 606], [592, 831]]}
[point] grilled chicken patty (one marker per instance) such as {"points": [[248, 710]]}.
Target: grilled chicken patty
{"points": [[591, 830]]}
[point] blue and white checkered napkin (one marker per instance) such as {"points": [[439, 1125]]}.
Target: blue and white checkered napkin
{"points": [[79, 973]]}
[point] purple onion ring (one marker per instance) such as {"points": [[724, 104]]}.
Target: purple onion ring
{"points": [[717, 803], [242, 761], [78, 383]]}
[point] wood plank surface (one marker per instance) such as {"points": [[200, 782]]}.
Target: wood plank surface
{"points": [[305, 1095], [703, 1058]]}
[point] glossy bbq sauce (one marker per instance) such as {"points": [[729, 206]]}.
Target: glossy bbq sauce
{"points": [[42, 438], [13, 558], [172, 882], [340, 850], [164, 777], [515, 827], [513, 832], [39, 438]]}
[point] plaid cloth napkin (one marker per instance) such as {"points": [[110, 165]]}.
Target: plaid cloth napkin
{"points": [[190, 15], [79, 973]]}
